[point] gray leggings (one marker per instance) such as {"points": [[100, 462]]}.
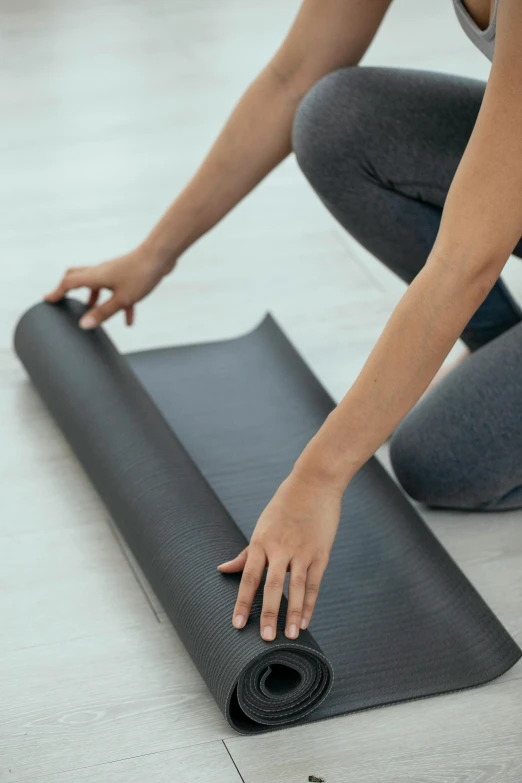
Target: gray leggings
{"points": [[380, 147]]}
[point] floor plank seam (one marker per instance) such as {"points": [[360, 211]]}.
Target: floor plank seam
{"points": [[233, 762], [381, 288], [133, 570], [42, 779]]}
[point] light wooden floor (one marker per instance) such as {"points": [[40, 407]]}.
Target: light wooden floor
{"points": [[106, 108]]}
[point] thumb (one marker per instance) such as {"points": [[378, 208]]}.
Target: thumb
{"points": [[235, 565]]}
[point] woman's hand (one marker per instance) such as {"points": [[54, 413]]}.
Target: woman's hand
{"points": [[130, 278], [295, 532]]}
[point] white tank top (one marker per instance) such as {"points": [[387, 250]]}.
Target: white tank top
{"points": [[483, 39]]}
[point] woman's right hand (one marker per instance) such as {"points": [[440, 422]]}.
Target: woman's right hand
{"points": [[130, 278]]}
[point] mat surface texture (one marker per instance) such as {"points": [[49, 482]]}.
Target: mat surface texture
{"points": [[186, 446]]}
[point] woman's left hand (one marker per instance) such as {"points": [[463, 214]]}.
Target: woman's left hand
{"points": [[295, 532]]}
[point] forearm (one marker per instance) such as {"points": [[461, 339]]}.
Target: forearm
{"points": [[255, 139], [416, 340]]}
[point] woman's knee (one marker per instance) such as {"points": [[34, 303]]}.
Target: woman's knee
{"points": [[410, 462], [429, 469], [330, 128]]}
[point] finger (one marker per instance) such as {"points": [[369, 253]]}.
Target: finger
{"points": [[54, 296], [73, 278], [272, 594], [129, 315], [296, 594], [93, 298], [60, 291], [252, 575], [313, 582], [235, 565], [98, 315]]}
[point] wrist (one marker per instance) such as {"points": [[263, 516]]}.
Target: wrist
{"points": [[327, 462], [159, 254], [183, 224]]}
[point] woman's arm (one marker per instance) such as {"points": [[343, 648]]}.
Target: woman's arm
{"points": [[481, 224], [326, 35]]}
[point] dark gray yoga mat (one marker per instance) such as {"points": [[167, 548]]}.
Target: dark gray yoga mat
{"points": [[186, 446]]}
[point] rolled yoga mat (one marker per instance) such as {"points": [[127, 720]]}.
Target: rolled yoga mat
{"points": [[186, 446]]}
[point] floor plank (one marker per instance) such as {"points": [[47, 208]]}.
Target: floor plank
{"points": [[448, 739], [101, 698], [208, 762], [64, 573]]}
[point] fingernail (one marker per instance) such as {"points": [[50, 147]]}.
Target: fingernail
{"points": [[238, 621], [87, 322], [268, 633], [304, 624], [292, 632]]}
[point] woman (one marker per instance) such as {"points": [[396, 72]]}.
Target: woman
{"points": [[425, 171]]}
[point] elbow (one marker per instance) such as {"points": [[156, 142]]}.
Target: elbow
{"points": [[286, 77], [480, 280], [283, 76], [473, 273]]}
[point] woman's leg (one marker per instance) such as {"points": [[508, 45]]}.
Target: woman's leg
{"points": [[461, 446], [381, 146]]}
